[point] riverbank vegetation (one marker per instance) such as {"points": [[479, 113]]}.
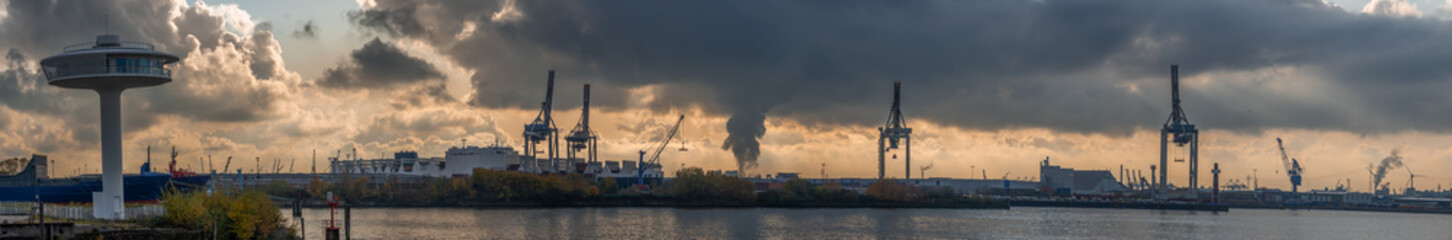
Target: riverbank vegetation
{"points": [[690, 187], [244, 215]]}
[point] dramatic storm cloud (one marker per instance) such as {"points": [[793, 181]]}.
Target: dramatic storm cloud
{"points": [[780, 85], [231, 73], [213, 90], [378, 64], [1077, 66]]}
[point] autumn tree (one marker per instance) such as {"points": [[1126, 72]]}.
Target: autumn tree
{"points": [[890, 190]]}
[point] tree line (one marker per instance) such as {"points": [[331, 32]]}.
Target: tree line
{"points": [[690, 185]]}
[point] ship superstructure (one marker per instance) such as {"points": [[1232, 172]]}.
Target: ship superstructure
{"points": [[462, 160]]}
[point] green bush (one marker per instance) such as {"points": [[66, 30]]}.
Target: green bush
{"points": [[891, 191], [693, 184], [608, 185], [248, 215], [505, 186]]}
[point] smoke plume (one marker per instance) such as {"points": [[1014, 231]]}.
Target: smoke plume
{"points": [[1390, 162], [744, 130]]}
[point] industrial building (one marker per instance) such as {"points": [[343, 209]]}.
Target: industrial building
{"points": [[1081, 182]]}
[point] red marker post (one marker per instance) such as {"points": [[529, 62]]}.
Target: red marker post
{"points": [[332, 231]]}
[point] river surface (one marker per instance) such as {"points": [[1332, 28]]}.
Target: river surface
{"points": [[772, 223]]}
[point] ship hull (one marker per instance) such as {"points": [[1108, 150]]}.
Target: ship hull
{"points": [[140, 187]]}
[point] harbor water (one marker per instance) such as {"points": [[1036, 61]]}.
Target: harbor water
{"points": [[773, 223]]}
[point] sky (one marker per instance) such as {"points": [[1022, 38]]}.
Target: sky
{"points": [[990, 87]]}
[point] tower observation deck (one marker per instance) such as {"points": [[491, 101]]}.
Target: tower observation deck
{"points": [[109, 66]]}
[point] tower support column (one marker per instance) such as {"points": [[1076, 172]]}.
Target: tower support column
{"points": [[108, 204]]}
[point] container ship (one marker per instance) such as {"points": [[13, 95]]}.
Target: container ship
{"points": [[34, 184]]}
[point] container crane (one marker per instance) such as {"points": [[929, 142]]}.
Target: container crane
{"points": [[543, 128], [895, 129], [654, 160], [582, 137], [1179, 130], [1293, 168]]}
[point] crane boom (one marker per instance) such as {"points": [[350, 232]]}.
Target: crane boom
{"points": [[655, 157], [1293, 168], [643, 163], [227, 165]]}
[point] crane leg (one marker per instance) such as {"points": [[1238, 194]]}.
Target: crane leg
{"points": [[881, 159]]}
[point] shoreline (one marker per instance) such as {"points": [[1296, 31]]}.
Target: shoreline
{"points": [[1122, 205], [671, 205]]}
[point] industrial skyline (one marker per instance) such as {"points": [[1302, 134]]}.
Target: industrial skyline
{"points": [[781, 86]]}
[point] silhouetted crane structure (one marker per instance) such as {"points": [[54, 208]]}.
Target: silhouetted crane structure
{"points": [[147, 166], [1179, 130], [543, 128], [895, 130], [1293, 167], [228, 165], [170, 167], [654, 159], [582, 137]]}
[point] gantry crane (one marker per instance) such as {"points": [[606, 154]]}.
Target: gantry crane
{"points": [[895, 129], [543, 128], [1184, 133], [1293, 168], [582, 137], [654, 160]]}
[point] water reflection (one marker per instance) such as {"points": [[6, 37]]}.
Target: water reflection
{"points": [[765, 223]]}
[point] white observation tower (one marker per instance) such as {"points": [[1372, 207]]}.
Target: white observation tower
{"points": [[109, 66]]}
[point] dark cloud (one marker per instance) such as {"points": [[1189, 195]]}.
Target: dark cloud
{"points": [[25, 89], [307, 31], [980, 64], [422, 95], [379, 64], [1096, 66]]}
